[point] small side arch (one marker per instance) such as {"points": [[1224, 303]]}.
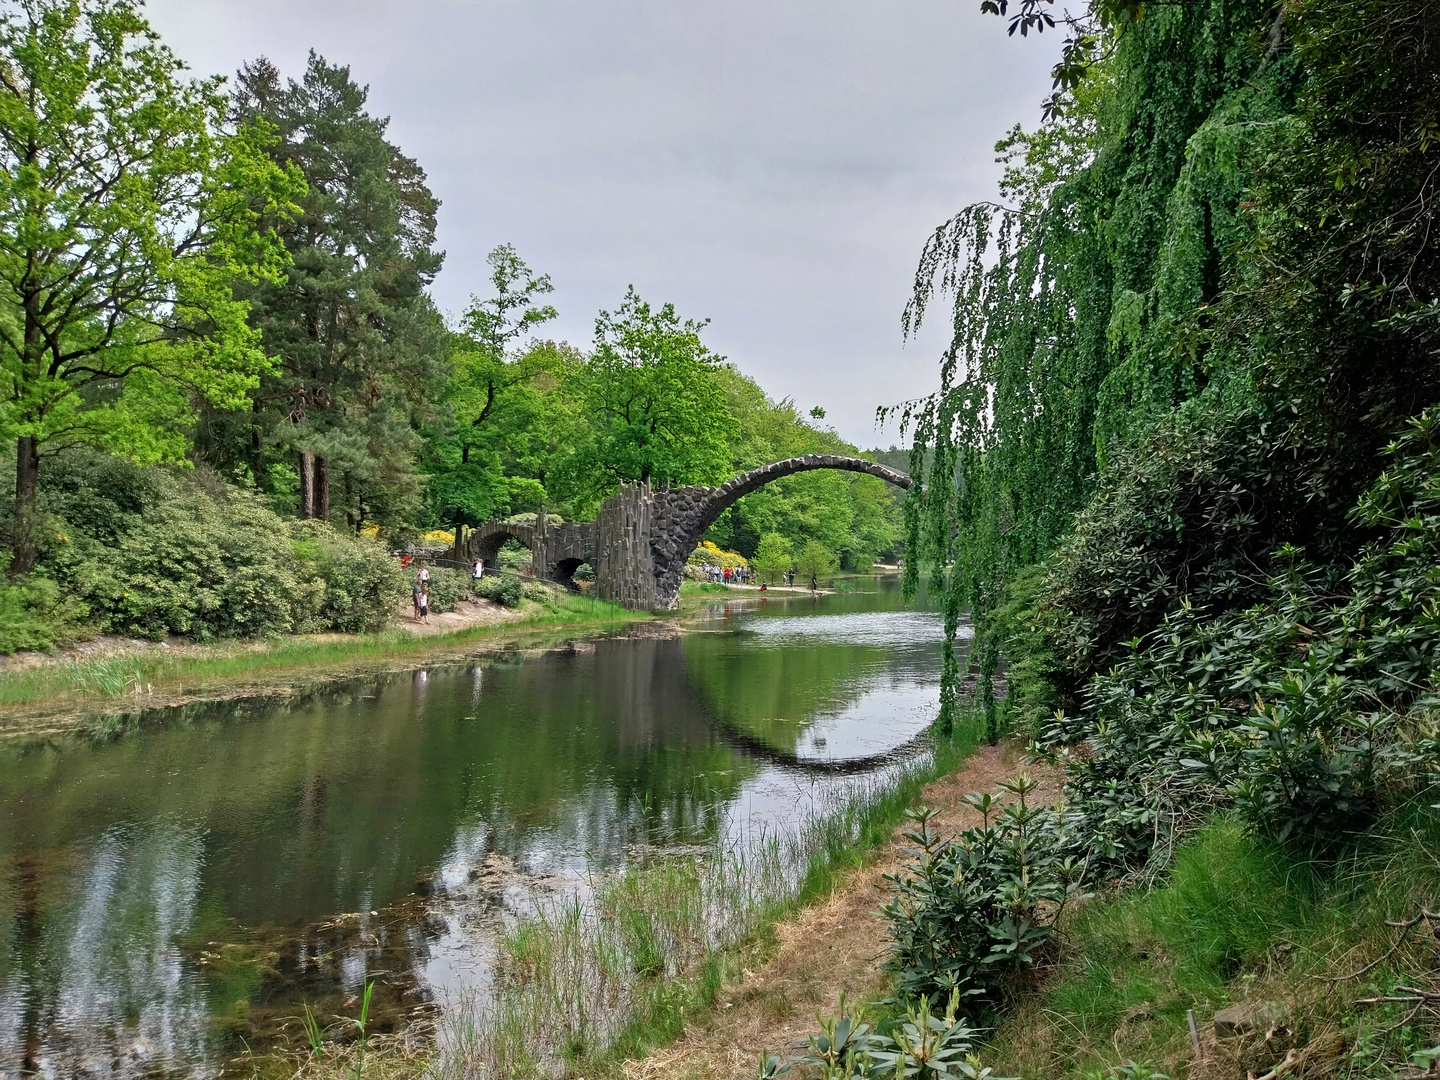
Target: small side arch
{"points": [[485, 543], [562, 572]]}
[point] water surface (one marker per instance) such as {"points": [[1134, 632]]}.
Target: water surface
{"points": [[168, 892]]}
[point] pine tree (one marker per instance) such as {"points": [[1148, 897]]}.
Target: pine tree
{"points": [[360, 349]]}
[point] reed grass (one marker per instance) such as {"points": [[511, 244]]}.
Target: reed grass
{"points": [[592, 980]]}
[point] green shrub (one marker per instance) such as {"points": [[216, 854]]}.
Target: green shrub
{"points": [[361, 581], [507, 589], [158, 551], [1193, 514], [976, 909], [38, 614], [1309, 712], [922, 1044], [99, 496], [538, 591], [773, 557], [447, 588], [815, 560], [202, 564]]}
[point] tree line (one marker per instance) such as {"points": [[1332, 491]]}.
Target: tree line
{"points": [[234, 279]]}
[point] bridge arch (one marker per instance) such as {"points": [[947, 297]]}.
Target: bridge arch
{"points": [[730, 492], [557, 550], [485, 542], [641, 539], [682, 515]]}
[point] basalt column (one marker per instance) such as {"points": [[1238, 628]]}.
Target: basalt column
{"points": [[624, 563], [539, 546]]}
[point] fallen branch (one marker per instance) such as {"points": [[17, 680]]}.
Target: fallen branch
{"points": [[1404, 926], [1291, 1060]]}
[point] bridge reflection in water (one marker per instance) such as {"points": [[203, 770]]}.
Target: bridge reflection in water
{"points": [[175, 889]]}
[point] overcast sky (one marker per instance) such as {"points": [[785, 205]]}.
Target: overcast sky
{"points": [[774, 167]]}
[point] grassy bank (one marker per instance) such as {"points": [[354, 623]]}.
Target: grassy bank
{"points": [[1303, 947], [83, 683], [588, 983]]}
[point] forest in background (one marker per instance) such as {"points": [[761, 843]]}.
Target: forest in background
{"points": [[225, 389]]}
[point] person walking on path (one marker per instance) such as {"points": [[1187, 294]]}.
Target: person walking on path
{"points": [[423, 576], [425, 604], [476, 573], [792, 577], [814, 585], [416, 594]]}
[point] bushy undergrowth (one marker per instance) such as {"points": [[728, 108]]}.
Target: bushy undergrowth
{"points": [[360, 578], [155, 552], [507, 589], [966, 918], [1307, 711], [1308, 715], [38, 615], [447, 588], [1194, 513]]}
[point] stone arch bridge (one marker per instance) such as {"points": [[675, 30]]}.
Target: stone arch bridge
{"points": [[642, 537]]}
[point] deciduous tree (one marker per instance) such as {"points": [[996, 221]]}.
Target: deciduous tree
{"points": [[129, 207], [658, 412]]}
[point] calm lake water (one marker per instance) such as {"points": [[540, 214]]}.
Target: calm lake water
{"points": [[168, 892]]}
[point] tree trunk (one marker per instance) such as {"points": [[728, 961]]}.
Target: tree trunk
{"points": [[459, 542], [322, 489], [27, 477], [307, 484], [259, 471]]}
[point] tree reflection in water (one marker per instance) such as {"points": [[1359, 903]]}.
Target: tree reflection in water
{"points": [[169, 890]]}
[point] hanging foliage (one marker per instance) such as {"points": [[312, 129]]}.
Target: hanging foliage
{"points": [[1079, 303]]}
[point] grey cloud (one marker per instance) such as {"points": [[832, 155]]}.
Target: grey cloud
{"points": [[773, 166]]}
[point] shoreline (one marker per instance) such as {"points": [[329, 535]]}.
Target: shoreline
{"points": [[58, 695], [685, 1023], [44, 695]]}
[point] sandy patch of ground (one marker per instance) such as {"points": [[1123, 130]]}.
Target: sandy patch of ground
{"points": [[831, 947], [470, 612]]}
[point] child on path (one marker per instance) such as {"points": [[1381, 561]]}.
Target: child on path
{"points": [[425, 604], [417, 592]]}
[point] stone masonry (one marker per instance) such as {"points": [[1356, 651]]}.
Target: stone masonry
{"points": [[639, 542]]}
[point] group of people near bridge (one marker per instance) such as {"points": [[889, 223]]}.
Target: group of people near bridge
{"points": [[743, 575], [728, 575]]}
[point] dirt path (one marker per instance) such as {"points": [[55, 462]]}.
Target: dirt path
{"points": [[467, 613], [829, 948]]}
